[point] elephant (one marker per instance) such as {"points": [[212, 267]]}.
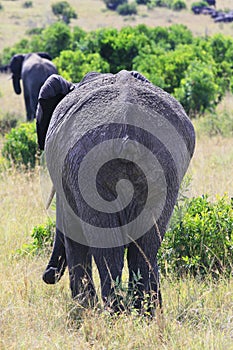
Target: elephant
{"points": [[139, 134], [33, 69]]}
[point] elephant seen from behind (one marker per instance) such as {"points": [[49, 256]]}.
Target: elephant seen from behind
{"points": [[117, 148], [33, 69]]}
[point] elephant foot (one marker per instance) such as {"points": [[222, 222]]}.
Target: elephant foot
{"points": [[53, 274], [87, 300]]}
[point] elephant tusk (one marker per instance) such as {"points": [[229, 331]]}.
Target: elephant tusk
{"points": [[52, 193]]}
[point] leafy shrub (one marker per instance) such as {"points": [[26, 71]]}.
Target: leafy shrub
{"points": [[178, 5], [64, 11], [20, 145], [113, 4], [198, 90], [43, 236], [201, 3], [200, 238], [34, 31], [127, 9], [73, 65], [27, 4], [55, 39], [159, 3], [142, 2]]}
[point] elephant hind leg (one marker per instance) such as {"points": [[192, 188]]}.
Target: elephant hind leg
{"points": [[144, 284], [79, 262], [110, 263]]}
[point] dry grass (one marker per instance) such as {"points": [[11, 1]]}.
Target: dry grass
{"points": [[197, 315], [16, 20]]}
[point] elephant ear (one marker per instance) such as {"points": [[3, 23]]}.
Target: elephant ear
{"points": [[51, 93], [139, 76], [16, 67], [44, 55]]}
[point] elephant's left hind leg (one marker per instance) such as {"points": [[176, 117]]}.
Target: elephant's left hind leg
{"points": [[110, 263], [79, 262]]}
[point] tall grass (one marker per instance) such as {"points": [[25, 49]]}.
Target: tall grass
{"points": [[197, 314]]}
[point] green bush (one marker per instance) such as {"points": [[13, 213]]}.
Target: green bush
{"points": [[43, 236], [27, 4], [198, 91], [142, 2], [200, 238], [64, 11], [178, 5], [20, 146], [199, 4], [127, 9], [160, 3], [113, 4], [73, 65]]}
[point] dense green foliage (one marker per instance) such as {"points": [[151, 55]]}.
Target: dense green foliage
{"points": [[64, 11], [42, 240], [196, 70], [178, 5], [27, 4], [127, 9], [201, 3], [200, 238], [20, 145], [113, 4]]}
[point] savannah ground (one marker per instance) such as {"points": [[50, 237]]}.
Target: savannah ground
{"points": [[197, 314]]}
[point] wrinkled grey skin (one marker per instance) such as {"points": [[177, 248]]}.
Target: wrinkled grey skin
{"points": [[141, 255], [33, 69]]}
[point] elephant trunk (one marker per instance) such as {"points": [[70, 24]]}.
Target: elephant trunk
{"points": [[16, 84]]}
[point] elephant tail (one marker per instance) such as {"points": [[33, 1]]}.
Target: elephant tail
{"points": [[51, 195]]}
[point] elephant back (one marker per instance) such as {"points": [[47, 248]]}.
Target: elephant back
{"points": [[117, 148]]}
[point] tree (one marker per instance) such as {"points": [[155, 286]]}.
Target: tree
{"points": [[56, 38], [73, 65], [198, 91], [127, 9], [64, 11]]}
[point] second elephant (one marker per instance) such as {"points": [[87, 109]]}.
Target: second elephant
{"points": [[33, 69]]}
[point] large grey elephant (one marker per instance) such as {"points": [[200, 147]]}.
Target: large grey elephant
{"points": [[136, 141], [33, 69]]}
